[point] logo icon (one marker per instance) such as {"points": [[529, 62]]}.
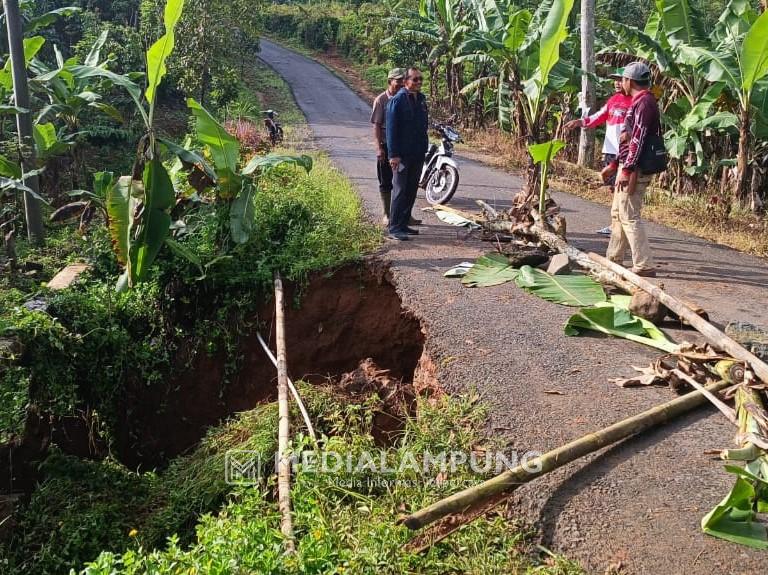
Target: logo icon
{"points": [[242, 467]]}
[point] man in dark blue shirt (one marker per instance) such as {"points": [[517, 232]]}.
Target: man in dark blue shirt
{"points": [[407, 143]]}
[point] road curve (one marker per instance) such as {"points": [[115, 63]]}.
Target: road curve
{"points": [[638, 503]]}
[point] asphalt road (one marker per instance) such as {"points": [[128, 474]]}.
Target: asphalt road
{"points": [[639, 503]]}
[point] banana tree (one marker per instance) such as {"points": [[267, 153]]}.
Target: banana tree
{"points": [[696, 65], [553, 32], [68, 96], [741, 62], [550, 26], [496, 45], [139, 205], [443, 26], [673, 29], [542, 155], [234, 184], [524, 50], [688, 124]]}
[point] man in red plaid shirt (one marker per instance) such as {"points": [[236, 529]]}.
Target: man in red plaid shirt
{"points": [[643, 120]]}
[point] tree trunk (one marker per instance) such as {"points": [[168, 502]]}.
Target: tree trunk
{"points": [[742, 160], [433, 67], [587, 138], [449, 82], [532, 180], [458, 80], [32, 207], [757, 184], [516, 93], [479, 112], [713, 335]]}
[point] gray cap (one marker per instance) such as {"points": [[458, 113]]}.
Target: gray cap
{"points": [[638, 71], [396, 74]]}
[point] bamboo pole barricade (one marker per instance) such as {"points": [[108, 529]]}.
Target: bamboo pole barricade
{"points": [[284, 428]]}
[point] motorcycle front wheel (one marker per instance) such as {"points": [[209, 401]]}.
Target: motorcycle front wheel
{"points": [[442, 185]]}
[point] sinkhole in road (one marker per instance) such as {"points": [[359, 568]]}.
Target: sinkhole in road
{"points": [[341, 319]]}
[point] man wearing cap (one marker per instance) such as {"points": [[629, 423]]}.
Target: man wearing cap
{"points": [[407, 142], [395, 80], [612, 114], [642, 122]]}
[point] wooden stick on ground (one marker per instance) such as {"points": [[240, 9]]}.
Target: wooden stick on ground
{"points": [[294, 391], [723, 407], [283, 425], [463, 501], [713, 335]]}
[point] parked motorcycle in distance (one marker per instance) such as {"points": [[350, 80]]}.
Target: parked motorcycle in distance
{"points": [[273, 127], [440, 175]]}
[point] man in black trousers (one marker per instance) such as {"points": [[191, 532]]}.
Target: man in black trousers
{"points": [[395, 80], [407, 143]]}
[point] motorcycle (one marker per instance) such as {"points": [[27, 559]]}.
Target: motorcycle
{"points": [[273, 127], [440, 175]]}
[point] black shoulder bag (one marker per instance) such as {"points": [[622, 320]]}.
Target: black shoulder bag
{"points": [[653, 158]]}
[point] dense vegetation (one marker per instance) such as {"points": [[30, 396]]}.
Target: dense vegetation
{"points": [[230, 215], [91, 340], [155, 172], [481, 56], [343, 520]]}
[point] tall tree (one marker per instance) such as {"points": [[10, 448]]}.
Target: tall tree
{"points": [[587, 139], [32, 207]]}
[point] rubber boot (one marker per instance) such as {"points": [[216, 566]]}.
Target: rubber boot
{"points": [[386, 201]]}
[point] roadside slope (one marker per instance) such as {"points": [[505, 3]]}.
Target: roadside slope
{"points": [[639, 503]]}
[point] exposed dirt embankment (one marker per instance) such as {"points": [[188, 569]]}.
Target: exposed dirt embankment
{"points": [[341, 318]]}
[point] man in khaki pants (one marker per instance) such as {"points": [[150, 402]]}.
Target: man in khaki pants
{"points": [[642, 120]]}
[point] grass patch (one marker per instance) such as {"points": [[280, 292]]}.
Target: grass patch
{"points": [[344, 522], [268, 91], [272, 92], [303, 222], [83, 507]]}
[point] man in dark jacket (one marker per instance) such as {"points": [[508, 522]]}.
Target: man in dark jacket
{"points": [[642, 120], [407, 142]]}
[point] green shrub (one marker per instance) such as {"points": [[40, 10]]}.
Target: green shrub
{"points": [[83, 349], [341, 527], [354, 30], [82, 507]]}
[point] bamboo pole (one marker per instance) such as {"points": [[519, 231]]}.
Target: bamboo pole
{"points": [[283, 426], [713, 335], [514, 478], [294, 391]]}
